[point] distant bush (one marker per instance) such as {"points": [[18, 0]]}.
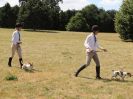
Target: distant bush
{"points": [[11, 77], [77, 23], [124, 20]]}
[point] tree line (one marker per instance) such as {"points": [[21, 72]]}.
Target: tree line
{"points": [[46, 14]]}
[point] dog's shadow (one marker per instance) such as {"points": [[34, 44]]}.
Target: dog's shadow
{"points": [[32, 71], [107, 79], [122, 81], [29, 71]]}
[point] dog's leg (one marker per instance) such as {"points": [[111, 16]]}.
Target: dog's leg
{"points": [[112, 78], [122, 78], [117, 78]]}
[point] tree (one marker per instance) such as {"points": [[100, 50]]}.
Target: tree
{"points": [[124, 20], [14, 17], [111, 18], [94, 15], [54, 10], [22, 2], [77, 23], [8, 16], [33, 14], [40, 14], [65, 17], [106, 20], [90, 13]]}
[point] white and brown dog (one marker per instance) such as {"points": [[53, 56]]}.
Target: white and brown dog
{"points": [[120, 74], [28, 66]]}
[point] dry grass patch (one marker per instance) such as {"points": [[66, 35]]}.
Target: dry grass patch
{"points": [[56, 55]]}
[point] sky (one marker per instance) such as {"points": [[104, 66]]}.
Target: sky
{"points": [[78, 4]]}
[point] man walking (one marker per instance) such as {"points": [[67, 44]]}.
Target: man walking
{"points": [[16, 41], [91, 45]]}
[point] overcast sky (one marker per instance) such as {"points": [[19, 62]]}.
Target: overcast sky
{"points": [[78, 4]]}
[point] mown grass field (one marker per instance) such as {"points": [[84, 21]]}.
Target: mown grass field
{"points": [[56, 56]]}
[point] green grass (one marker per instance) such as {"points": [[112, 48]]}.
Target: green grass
{"points": [[11, 77], [56, 55]]}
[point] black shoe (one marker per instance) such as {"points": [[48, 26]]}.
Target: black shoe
{"points": [[79, 70], [76, 74], [98, 78], [9, 62]]}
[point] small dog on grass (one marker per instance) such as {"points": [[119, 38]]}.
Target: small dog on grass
{"points": [[27, 66], [121, 74]]}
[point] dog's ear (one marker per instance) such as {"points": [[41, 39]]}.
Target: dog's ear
{"points": [[129, 74], [31, 64], [117, 73]]}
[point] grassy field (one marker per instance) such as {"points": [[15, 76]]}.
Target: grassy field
{"points": [[56, 56]]}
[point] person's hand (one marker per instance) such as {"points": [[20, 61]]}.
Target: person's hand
{"points": [[92, 51], [17, 45], [20, 42], [89, 50], [105, 50]]}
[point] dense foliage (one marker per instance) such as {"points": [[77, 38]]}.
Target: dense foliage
{"points": [[124, 20], [92, 15], [77, 23], [46, 14]]}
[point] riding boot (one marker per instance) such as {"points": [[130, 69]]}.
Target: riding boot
{"points": [[21, 62], [10, 62], [80, 69], [98, 72]]}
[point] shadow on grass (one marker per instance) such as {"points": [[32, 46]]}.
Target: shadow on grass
{"points": [[103, 79], [85, 77], [128, 41], [36, 70], [107, 79], [30, 71], [46, 31], [125, 81]]}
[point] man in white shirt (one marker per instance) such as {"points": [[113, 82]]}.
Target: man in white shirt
{"points": [[16, 41], [91, 45]]}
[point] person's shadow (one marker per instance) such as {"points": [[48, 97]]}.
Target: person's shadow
{"points": [[106, 79]]}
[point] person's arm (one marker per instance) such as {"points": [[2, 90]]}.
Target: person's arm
{"points": [[14, 39], [87, 43], [101, 48]]}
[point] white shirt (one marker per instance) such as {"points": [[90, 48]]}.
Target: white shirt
{"points": [[90, 43], [15, 37]]}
